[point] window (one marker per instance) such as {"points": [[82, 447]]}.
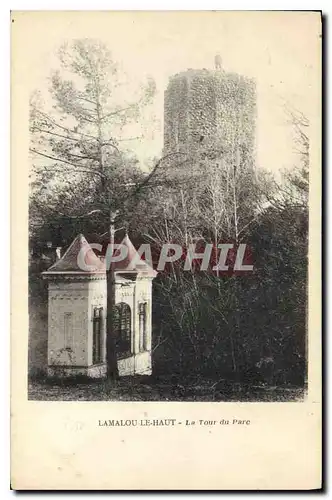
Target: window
{"points": [[142, 326], [122, 329], [68, 330], [97, 328]]}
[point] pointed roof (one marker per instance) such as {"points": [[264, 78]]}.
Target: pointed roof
{"points": [[78, 258], [133, 262]]}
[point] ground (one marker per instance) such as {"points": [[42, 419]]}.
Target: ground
{"points": [[143, 388]]}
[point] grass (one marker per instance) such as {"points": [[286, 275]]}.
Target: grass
{"points": [[144, 388]]}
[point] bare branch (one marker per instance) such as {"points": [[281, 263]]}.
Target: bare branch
{"points": [[34, 128], [67, 129], [97, 172], [81, 216], [155, 168], [112, 113]]}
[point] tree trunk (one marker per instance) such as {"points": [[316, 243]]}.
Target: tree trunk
{"points": [[111, 357]]}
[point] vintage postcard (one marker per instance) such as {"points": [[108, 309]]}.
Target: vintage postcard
{"points": [[166, 215]]}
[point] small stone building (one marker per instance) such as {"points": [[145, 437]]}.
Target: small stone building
{"points": [[77, 311]]}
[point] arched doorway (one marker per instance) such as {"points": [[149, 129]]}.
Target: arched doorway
{"points": [[122, 329]]}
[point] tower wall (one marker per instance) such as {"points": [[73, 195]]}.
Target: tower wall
{"points": [[209, 108]]}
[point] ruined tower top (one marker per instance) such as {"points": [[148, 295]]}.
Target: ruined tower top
{"points": [[218, 61], [211, 109]]}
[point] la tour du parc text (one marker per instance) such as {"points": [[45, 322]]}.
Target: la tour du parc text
{"points": [[169, 422]]}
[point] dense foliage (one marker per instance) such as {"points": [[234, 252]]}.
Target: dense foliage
{"points": [[244, 327]]}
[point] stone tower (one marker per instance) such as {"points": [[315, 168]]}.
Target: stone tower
{"points": [[210, 108]]}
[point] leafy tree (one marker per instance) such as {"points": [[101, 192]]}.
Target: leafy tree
{"points": [[76, 144], [80, 172]]}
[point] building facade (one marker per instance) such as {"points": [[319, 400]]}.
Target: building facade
{"points": [[77, 311]]}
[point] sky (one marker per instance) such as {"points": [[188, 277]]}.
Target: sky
{"points": [[281, 50]]}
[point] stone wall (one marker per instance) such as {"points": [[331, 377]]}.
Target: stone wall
{"points": [[204, 107], [68, 298], [139, 364], [56, 354]]}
